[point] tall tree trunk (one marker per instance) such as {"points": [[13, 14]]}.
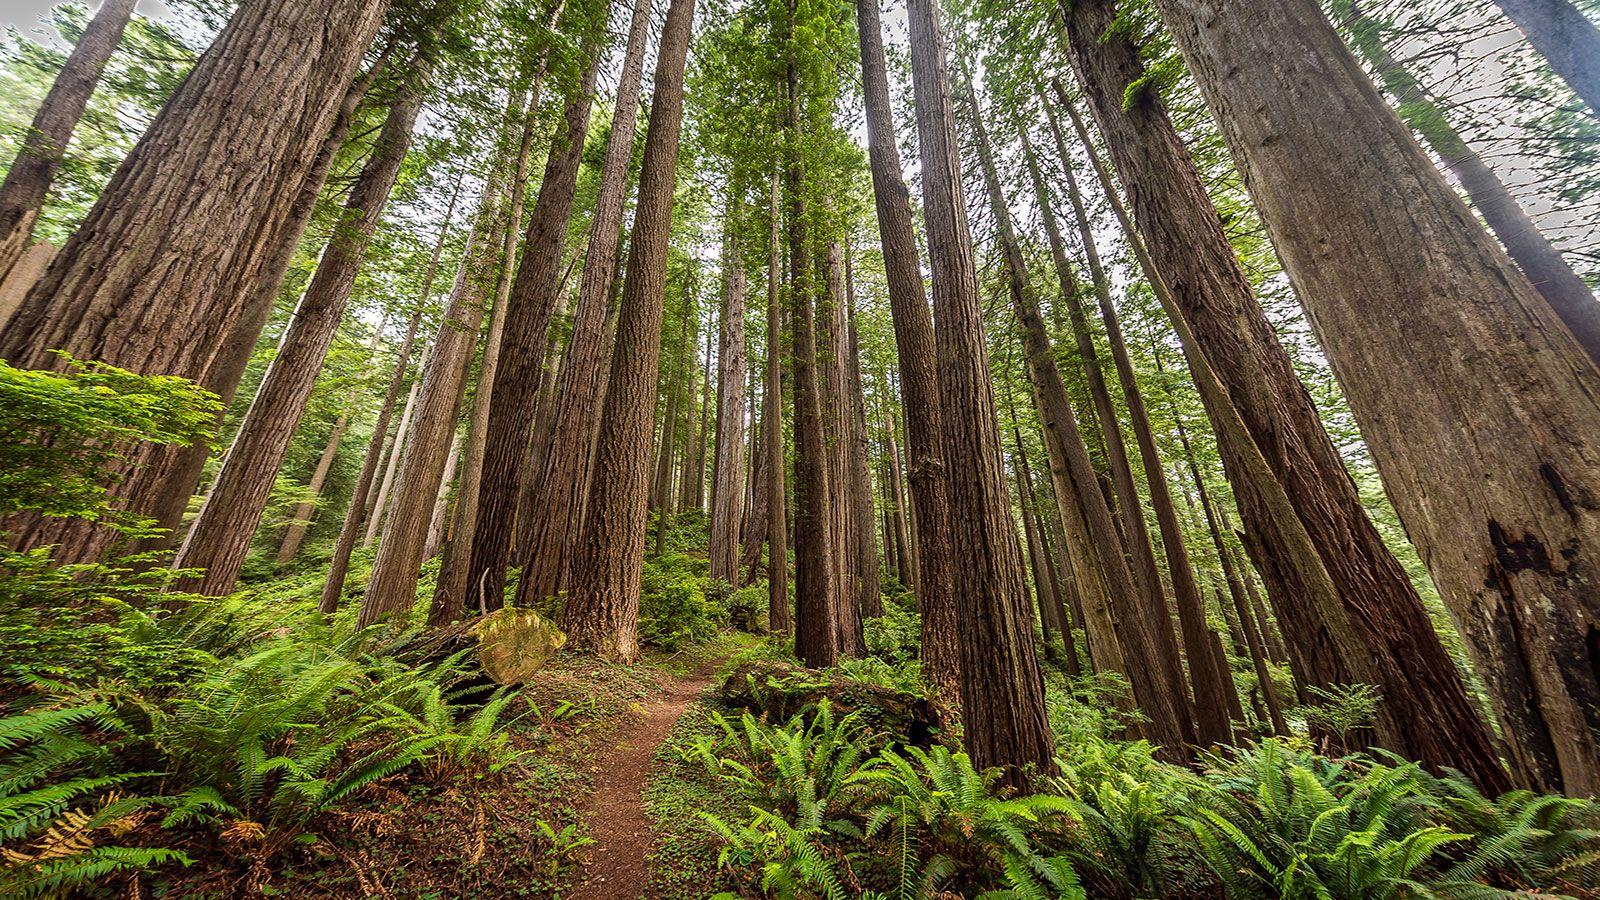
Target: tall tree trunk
{"points": [[392, 591], [182, 476], [529, 309], [1000, 677], [151, 280], [869, 586], [1042, 586], [602, 611], [378, 505], [915, 344], [45, 142], [1399, 282], [557, 504], [832, 360], [1566, 38], [816, 609], [219, 539], [661, 490], [1063, 590], [1211, 694], [450, 590], [1241, 600], [1140, 611], [727, 491], [1352, 600], [778, 613], [300, 521], [693, 495], [1538, 259], [350, 530], [897, 488]]}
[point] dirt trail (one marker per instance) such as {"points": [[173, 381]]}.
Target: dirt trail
{"points": [[616, 868]]}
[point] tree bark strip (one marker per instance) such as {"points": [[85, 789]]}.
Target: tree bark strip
{"points": [[602, 611]]}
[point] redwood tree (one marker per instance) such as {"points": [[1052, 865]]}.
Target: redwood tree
{"points": [[557, 502], [602, 613], [1398, 281], [152, 279], [1000, 678], [219, 539], [1355, 614], [919, 383]]}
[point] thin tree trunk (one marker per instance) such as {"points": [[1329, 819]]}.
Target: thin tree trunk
{"points": [[661, 492], [44, 144], [529, 309], [1211, 694], [355, 513], [1511, 434], [832, 381], [602, 611], [301, 518], [1030, 530], [1567, 294], [219, 539], [869, 586], [1140, 612], [450, 591], [693, 495], [441, 505], [897, 488], [1566, 38], [151, 280], [557, 503], [915, 342], [778, 614], [380, 501], [816, 632], [727, 490], [392, 590], [1000, 677]]}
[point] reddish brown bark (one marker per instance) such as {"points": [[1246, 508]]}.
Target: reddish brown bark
{"points": [[1462, 379], [219, 539], [529, 309], [557, 502], [915, 343], [1355, 613], [999, 670], [602, 613], [778, 613], [152, 279], [727, 489]]}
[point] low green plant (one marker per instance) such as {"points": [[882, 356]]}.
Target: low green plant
{"points": [[64, 807]]}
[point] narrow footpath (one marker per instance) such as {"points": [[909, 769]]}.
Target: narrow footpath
{"points": [[616, 867]]}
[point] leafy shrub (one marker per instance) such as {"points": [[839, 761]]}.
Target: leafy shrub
{"points": [[61, 432], [673, 609], [894, 637]]}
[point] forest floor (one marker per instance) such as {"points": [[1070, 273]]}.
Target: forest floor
{"points": [[595, 741], [617, 865]]}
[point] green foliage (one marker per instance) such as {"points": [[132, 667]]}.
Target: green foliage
{"points": [[60, 803], [61, 432], [673, 607], [1341, 709], [896, 636]]}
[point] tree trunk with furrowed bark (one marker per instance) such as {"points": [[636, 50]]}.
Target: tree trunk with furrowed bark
{"points": [[1397, 278], [152, 279], [602, 613]]}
